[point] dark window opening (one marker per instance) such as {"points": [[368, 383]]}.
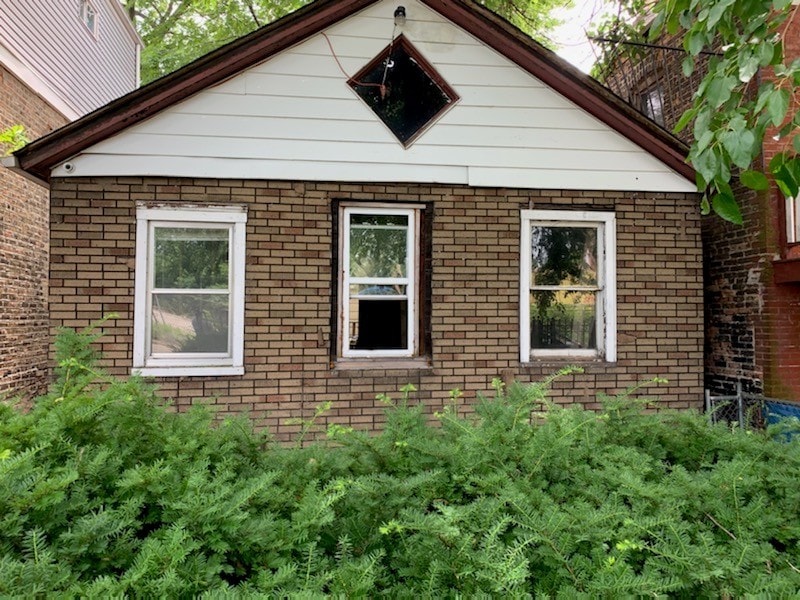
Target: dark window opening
{"points": [[651, 103], [403, 90], [380, 325]]}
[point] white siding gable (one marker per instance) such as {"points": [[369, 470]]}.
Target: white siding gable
{"points": [[294, 117]]}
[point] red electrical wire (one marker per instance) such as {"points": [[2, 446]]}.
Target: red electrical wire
{"points": [[381, 86]]}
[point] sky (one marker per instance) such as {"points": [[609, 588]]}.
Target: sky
{"points": [[571, 36]]}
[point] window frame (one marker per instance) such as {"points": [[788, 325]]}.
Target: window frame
{"points": [[87, 8], [412, 281], [234, 220], [792, 218], [606, 305], [402, 42]]}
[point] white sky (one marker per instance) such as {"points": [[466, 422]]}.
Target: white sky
{"points": [[571, 36]]}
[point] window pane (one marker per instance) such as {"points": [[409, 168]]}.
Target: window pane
{"points": [[189, 323], [360, 290], [563, 256], [378, 250], [563, 320], [191, 258], [378, 324]]}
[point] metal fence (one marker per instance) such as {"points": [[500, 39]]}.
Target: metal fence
{"points": [[748, 411]]}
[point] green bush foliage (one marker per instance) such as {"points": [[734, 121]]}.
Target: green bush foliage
{"points": [[104, 492]]}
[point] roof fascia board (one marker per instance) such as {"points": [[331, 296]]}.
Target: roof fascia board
{"points": [[40, 156], [565, 79]]}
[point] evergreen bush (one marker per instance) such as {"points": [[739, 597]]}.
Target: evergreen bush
{"points": [[105, 492]]}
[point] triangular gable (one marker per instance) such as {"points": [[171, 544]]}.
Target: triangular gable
{"points": [[127, 122]]}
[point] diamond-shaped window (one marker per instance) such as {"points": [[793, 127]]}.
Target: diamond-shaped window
{"points": [[403, 89]]}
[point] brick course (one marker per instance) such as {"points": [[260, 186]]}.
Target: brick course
{"points": [[474, 326], [23, 250]]}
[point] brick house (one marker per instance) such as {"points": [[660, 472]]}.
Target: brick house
{"points": [[58, 61], [752, 272], [363, 195]]}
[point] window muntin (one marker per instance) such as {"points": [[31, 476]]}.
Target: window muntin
{"points": [[568, 281], [189, 291], [379, 260]]}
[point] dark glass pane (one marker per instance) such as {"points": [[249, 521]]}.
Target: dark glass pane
{"points": [[385, 220], [378, 324], [378, 251], [563, 320], [191, 258], [189, 323], [563, 256], [402, 92]]}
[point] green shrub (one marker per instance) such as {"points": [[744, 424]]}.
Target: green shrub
{"points": [[104, 492]]}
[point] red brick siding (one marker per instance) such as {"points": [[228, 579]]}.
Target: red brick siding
{"points": [[475, 290], [23, 250]]}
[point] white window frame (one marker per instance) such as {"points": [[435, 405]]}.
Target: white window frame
{"points": [[606, 308], [792, 221], [411, 280], [233, 219], [90, 16]]}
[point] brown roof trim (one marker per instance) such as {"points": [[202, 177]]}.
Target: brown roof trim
{"points": [[569, 81], [39, 157]]}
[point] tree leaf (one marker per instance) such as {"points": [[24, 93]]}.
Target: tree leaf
{"points": [[748, 65], [766, 52], [687, 65], [796, 143], [717, 11], [694, 42], [719, 90], [739, 145], [705, 207], [777, 105], [685, 119], [706, 164], [725, 206], [755, 180]]}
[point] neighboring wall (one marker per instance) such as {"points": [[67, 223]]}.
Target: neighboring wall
{"points": [[475, 292], [50, 42], [23, 250], [52, 69]]}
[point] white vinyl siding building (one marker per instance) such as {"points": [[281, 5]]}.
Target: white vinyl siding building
{"points": [[47, 44]]}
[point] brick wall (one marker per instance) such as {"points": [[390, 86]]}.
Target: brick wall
{"points": [[475, 292], [23, 250]]}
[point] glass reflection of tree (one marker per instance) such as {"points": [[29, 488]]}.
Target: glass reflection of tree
{"points": [[195, 259], [378, 246], [561, 256]]}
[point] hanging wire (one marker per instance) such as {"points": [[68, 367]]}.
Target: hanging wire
{"points": [[387, 65]]}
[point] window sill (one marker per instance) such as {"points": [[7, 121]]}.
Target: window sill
{"points": [[786, 270], [384, 363], [559, 362], [187, 371]]}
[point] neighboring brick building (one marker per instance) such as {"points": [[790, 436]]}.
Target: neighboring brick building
{"points": [[752, 272], [38, 92], [272, 236]]}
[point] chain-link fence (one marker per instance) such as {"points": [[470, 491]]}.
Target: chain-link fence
{"points": [[749, 411]]}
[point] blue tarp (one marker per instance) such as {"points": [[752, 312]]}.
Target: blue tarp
{"points": [[779, 413]]}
